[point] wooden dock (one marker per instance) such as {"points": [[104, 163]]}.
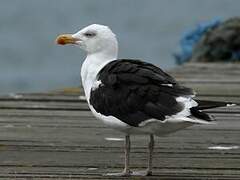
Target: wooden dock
{"points": [[54, 135]]}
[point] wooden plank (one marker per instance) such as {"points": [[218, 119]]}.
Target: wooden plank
{"points": [[210, 78], [54, 135], [39, 97], [43, 105]]}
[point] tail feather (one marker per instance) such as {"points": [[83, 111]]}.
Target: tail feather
{"points": [[201, 115], [204, 104]]}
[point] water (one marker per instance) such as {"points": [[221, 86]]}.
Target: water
{"points": [[148, 30]]}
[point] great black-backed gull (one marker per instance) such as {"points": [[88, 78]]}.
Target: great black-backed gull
{"points": [[130, 95]]}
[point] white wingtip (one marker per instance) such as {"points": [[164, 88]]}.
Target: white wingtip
{"points": [[229, 105], [199, 121]]}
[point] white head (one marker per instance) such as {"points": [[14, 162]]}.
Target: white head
{"points": [[93, 39]]}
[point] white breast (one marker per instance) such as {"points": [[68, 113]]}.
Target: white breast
{"points": [[90, 69]]}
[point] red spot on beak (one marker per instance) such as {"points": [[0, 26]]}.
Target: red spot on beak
{"points": [[66, 39]]}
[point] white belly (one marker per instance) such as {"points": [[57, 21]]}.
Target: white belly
{"points": [[156, 127]]}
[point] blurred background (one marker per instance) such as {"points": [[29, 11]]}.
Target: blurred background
{"points": [[149, 30]]}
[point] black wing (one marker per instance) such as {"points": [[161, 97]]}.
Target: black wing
{"points": [[205, 104], [134, 91]]}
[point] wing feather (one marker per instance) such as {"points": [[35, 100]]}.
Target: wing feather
{"points": [[135, 91]]}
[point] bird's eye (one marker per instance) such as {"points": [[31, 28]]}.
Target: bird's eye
{"points": [[89, 34]]}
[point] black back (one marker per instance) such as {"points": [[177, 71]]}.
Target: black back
{"points": [[135, 91]]}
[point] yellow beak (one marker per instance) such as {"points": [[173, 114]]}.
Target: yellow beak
{"points": [[66, 39]]}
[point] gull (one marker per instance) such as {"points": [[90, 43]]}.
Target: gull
{"points": [[133, 96]]}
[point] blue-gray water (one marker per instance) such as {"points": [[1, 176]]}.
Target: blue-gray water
{"points": [[146, 29]]}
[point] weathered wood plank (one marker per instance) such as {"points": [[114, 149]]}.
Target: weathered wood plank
{"points": [[54, 135], [43, 105]]}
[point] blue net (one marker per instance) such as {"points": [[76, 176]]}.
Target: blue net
{"points": [[191, 38]]}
